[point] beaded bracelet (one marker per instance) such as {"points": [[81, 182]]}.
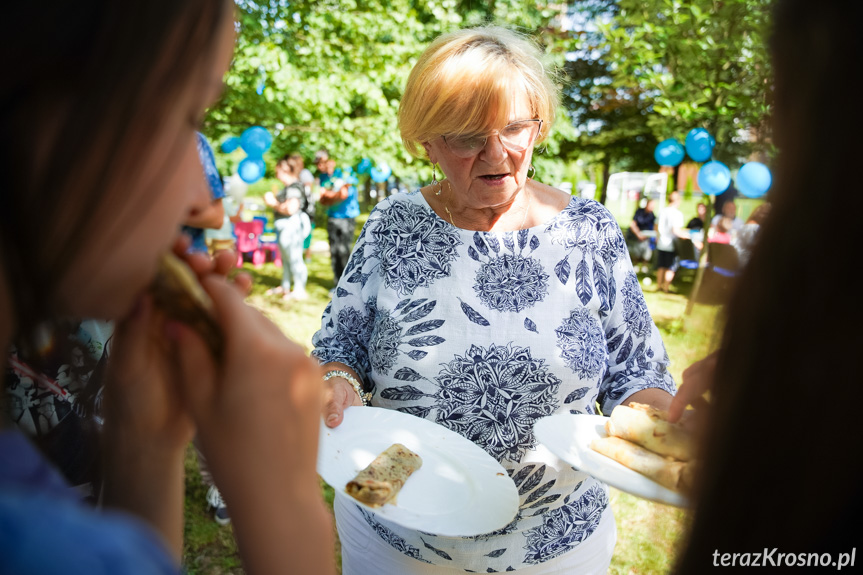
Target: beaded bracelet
{"points": [[365, 396]]}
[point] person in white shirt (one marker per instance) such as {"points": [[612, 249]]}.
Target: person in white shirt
{"points": [[670, 226]]}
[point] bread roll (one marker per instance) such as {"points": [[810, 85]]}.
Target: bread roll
{"points": [[383, 478]]}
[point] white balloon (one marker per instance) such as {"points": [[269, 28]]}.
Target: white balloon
{"points": [[235, 186]]}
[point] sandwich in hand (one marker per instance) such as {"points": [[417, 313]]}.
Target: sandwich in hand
{"points": [[178, 294]]}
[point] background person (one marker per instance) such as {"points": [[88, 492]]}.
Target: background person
{"points": [[669, 227], [476, 264], [696, 227], [724, 223], [769, 350], [113, 122], [212, 216], [292, 226], [309, 203], [343, 207], [744, 239], [638, 243]]}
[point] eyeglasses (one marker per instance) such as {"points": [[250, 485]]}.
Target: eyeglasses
{"points": [[515, 137]]}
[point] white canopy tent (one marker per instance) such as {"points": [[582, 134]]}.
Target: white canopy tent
{"points": [[626, 188]]}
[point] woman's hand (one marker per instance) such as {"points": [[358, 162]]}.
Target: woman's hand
{"points": [[339, 395], [697, 380]]}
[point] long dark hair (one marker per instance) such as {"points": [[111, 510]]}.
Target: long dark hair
{"points": [[783, 453], [84, 85]]}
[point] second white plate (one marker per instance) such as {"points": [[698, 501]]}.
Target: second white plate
{"points": [[568, 436], [460, 490]]}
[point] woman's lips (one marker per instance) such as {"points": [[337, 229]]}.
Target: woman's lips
{"points": [[494, 178]]}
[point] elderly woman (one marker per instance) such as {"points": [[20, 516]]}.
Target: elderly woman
{"points": [[510, 299]]}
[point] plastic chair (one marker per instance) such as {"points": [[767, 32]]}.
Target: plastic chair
{"points": [[249, 242], [718, 276], [271, 250], [266, 221], [723, 259], [687, 257]]}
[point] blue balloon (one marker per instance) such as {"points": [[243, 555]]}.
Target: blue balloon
{"points": [[230, 145], [251, 169], [668, 153], [255, 141], [754, 179], [699, 144], [381, 172], [714, 178], [365, 166]]}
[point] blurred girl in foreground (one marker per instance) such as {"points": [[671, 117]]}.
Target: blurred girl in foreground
{"points": [[100, 108], [783, 453]]}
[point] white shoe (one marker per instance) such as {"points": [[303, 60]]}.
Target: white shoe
{"points": [[298, 295], [215, 501]]}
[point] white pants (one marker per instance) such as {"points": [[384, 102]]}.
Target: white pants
{"points": [[290, 233], [365, 553]]}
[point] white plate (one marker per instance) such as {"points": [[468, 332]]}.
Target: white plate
{"points": [[460, 490], [568, 436]]}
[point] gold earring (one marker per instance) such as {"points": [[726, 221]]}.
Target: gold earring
{"points": [[530, 175], [434, 180]]}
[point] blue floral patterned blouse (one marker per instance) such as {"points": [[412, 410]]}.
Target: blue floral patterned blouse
{"points": [[485, 333]]}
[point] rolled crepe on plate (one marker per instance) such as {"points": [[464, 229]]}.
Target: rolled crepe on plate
{"points": [[383, 478], [674, 475], [647, 426]]}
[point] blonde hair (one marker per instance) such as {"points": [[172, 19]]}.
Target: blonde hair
{"points": [[466, 81]]}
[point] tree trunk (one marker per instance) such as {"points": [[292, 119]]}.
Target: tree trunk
{"points": [[606, 174]]}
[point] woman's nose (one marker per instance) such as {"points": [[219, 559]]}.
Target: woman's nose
{"points": [[494, 148]]}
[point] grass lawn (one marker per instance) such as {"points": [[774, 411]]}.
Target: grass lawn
{"points": [[648, 533]]}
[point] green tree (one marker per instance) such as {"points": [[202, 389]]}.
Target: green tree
{"points": [[697, 63], [610, 119], [330, 73]]}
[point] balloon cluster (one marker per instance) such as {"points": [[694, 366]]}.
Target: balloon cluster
{"points": [[753, 179], [346, 174], [379, 173], [255, 141]]}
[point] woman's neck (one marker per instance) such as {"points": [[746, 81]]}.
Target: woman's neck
{"points": [[515, 215]]}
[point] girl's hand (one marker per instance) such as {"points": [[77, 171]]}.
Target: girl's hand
{"points": [[221, 264], [265, 399], [258, 417], [147, 426], [142, 404], [697, 380]]}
